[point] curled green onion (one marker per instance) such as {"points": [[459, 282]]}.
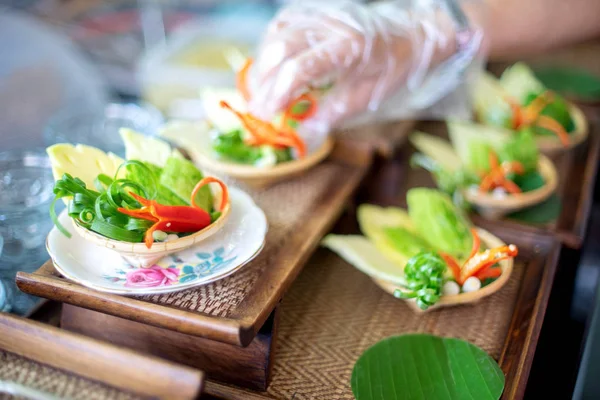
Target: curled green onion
{"points": [[148, 176], [87, 216], [424, 279]]}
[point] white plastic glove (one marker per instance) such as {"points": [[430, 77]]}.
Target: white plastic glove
{"points": [[387, 60]]}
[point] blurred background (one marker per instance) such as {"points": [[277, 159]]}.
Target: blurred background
{"points": [[77, 71]]}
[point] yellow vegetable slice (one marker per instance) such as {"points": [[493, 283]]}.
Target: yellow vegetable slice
{"points": [[437, 149], [143, 148], [374, 219], [365, 257], [193, 136], [223, 120], [83, 162], [519, 80]]}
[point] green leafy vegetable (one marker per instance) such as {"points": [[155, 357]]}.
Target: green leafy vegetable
{"points": [[164, 195], [473, 143], [426, 367], [405, 241], [448, 181], [557, 110], [231, 146], [439, 221], [529, 181], [424, 274], [180, 176], [522, 148]]}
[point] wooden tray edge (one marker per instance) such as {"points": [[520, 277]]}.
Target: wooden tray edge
{"points": [[98, 361]]}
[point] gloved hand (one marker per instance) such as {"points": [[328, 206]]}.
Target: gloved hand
{"points": [[385, 60]]}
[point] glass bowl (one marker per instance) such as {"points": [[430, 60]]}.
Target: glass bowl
{"points": [[26, 192]]}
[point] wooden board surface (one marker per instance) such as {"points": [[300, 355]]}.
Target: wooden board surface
{"points": [[233, 309], [334, 312], [248, 367], [576, 173], [67, 365]]}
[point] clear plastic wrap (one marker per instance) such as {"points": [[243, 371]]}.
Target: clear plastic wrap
{"points": [[383, 61]]}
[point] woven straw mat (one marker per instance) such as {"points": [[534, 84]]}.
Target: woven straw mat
{"points": [[286, 206], [333, 313], [14, 368]]}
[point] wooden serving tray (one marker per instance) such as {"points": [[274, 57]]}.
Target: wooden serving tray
{"points": [[65, 365], [333, 313], [576, 177], [214, 327]]}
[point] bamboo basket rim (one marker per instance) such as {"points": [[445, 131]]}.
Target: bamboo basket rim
{"points": [[552, 145], [236, 170], [490, 241], [130, 248], [523, 200]]}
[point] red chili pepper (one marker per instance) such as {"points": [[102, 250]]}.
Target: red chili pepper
{"points": [[492, 273], [482, 261], [552, 125], [479, 264], [265, 133], [306, 114], [452, 264], [175, 218], [530, 116], [497, 175], [476, 242], [206, 181], [242, 80]]}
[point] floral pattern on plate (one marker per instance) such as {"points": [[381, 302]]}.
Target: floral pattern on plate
{"points": [[166, 273]]}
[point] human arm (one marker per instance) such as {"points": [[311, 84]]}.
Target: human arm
{"points": [[392, 59], [516, 28]]}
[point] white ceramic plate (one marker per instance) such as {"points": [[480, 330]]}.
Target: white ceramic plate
{"points": [[96, 267]]}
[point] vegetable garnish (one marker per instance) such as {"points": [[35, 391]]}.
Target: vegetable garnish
{"points": [[528, 116], [303, 108], [497, 177], [479, 264], [424, 279], [430, 252], [97, 210], [424, 272], [242, 79], [299, 109], [175, 218], [482, 262], [204, 182], [265, 133]]}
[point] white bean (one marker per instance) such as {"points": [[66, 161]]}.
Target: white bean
{"points": [[159, 236], [450, 288], [472, 284], [171, 236]]}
